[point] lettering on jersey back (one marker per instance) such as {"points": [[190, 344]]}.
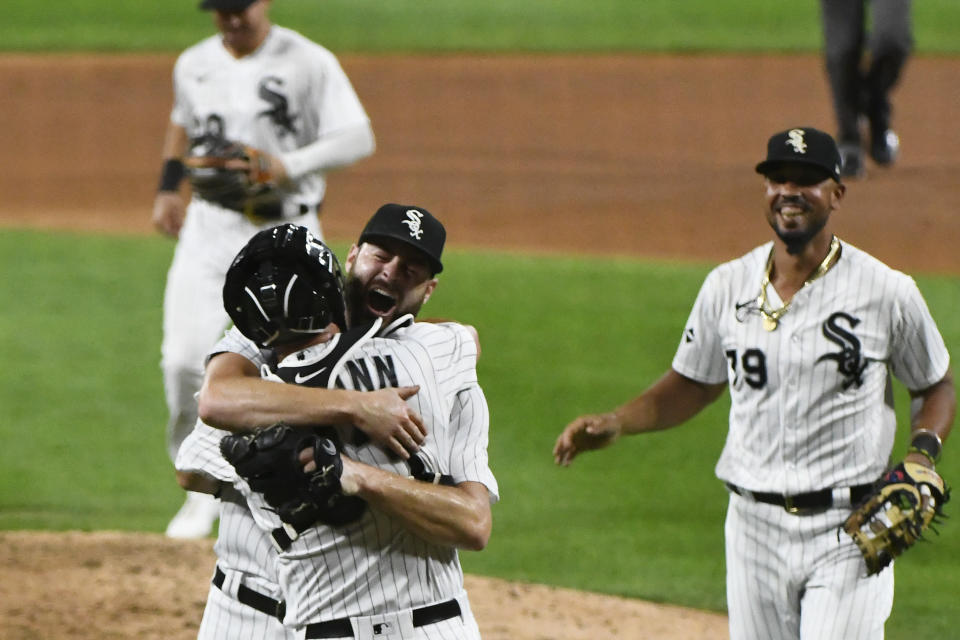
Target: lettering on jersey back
{"points": [[270, 91], [383, 367], [850, 360]]}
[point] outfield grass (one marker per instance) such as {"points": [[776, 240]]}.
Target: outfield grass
{"points": [[462, 25], [82, 415]]}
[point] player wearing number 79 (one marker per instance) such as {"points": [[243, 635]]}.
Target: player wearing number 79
{"points": [[804, 331]]}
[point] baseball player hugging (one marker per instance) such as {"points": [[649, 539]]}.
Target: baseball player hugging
{"points": [[365, 542]]}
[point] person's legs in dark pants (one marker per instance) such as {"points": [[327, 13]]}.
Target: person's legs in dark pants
{"points": [[890, 44], [844, 36]]}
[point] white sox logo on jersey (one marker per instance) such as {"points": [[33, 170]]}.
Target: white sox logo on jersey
{"points": [[270, 91], [849, 361], [795, 140], [414, 220]]}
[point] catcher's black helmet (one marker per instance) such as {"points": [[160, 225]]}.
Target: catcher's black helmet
{"points": [[282, 285]]}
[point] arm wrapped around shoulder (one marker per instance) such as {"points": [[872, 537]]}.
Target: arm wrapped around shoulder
{"points": [[905, 502], [233, 176]]}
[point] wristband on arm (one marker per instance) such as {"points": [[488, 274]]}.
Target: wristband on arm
{"points": [[926, 443], [171, 175]]}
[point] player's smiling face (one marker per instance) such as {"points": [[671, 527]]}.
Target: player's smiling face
{"points": [[387, 279], [243, 31], [799, 200]]}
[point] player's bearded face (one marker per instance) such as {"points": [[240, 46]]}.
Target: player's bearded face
{"points": [[386, 281], [799, 204]]}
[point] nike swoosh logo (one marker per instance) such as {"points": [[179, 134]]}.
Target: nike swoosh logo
{"points": [[299, 379]]}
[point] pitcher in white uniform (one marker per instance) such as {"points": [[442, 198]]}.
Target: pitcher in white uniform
{"points": [[272, 89], [805, 332]]}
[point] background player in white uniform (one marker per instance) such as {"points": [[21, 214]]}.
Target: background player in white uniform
{"points": [[804, 331], [272, 89]]}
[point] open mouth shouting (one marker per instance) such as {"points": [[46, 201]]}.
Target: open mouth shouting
{"points": [[381, 302]]}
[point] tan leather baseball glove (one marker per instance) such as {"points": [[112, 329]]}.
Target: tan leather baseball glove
{"points": [[904, 504], [234, 176]]}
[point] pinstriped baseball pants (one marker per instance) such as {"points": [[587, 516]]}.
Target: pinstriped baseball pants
{"points": [[791, 577]]}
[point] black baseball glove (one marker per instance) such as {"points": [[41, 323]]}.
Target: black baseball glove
{"points": [[904, 503], [234, 176], [268, 460]]}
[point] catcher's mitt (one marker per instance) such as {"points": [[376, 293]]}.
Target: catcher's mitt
{"points": [[268, 460], [904, 503], [234, 176]]}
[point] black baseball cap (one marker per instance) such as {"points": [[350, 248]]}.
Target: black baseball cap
{"points": [[410, 224], [803, 145], [226, 5]]}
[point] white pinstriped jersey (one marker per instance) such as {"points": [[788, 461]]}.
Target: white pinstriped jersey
{"points": [[375, 565], [808, 399], [288, 93], [245, 552]]}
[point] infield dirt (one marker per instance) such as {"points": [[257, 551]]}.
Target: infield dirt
{"points": [[646, 156]]}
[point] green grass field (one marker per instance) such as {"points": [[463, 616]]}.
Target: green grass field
{"points": [[83, 416], [461, 25]]}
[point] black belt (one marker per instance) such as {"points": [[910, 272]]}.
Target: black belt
{"points": [[273, 211], [813, 501], [251, 598], [341, 627]]}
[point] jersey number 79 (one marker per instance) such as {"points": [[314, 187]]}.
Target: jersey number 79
{"points": [[753, 365]]}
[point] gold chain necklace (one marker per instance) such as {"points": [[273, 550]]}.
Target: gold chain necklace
{"points": [[772, 318]]}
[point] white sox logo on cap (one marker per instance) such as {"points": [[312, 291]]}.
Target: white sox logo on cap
{"points": [[802, 145], [410, 225], [795, 140], [414, 219]]}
